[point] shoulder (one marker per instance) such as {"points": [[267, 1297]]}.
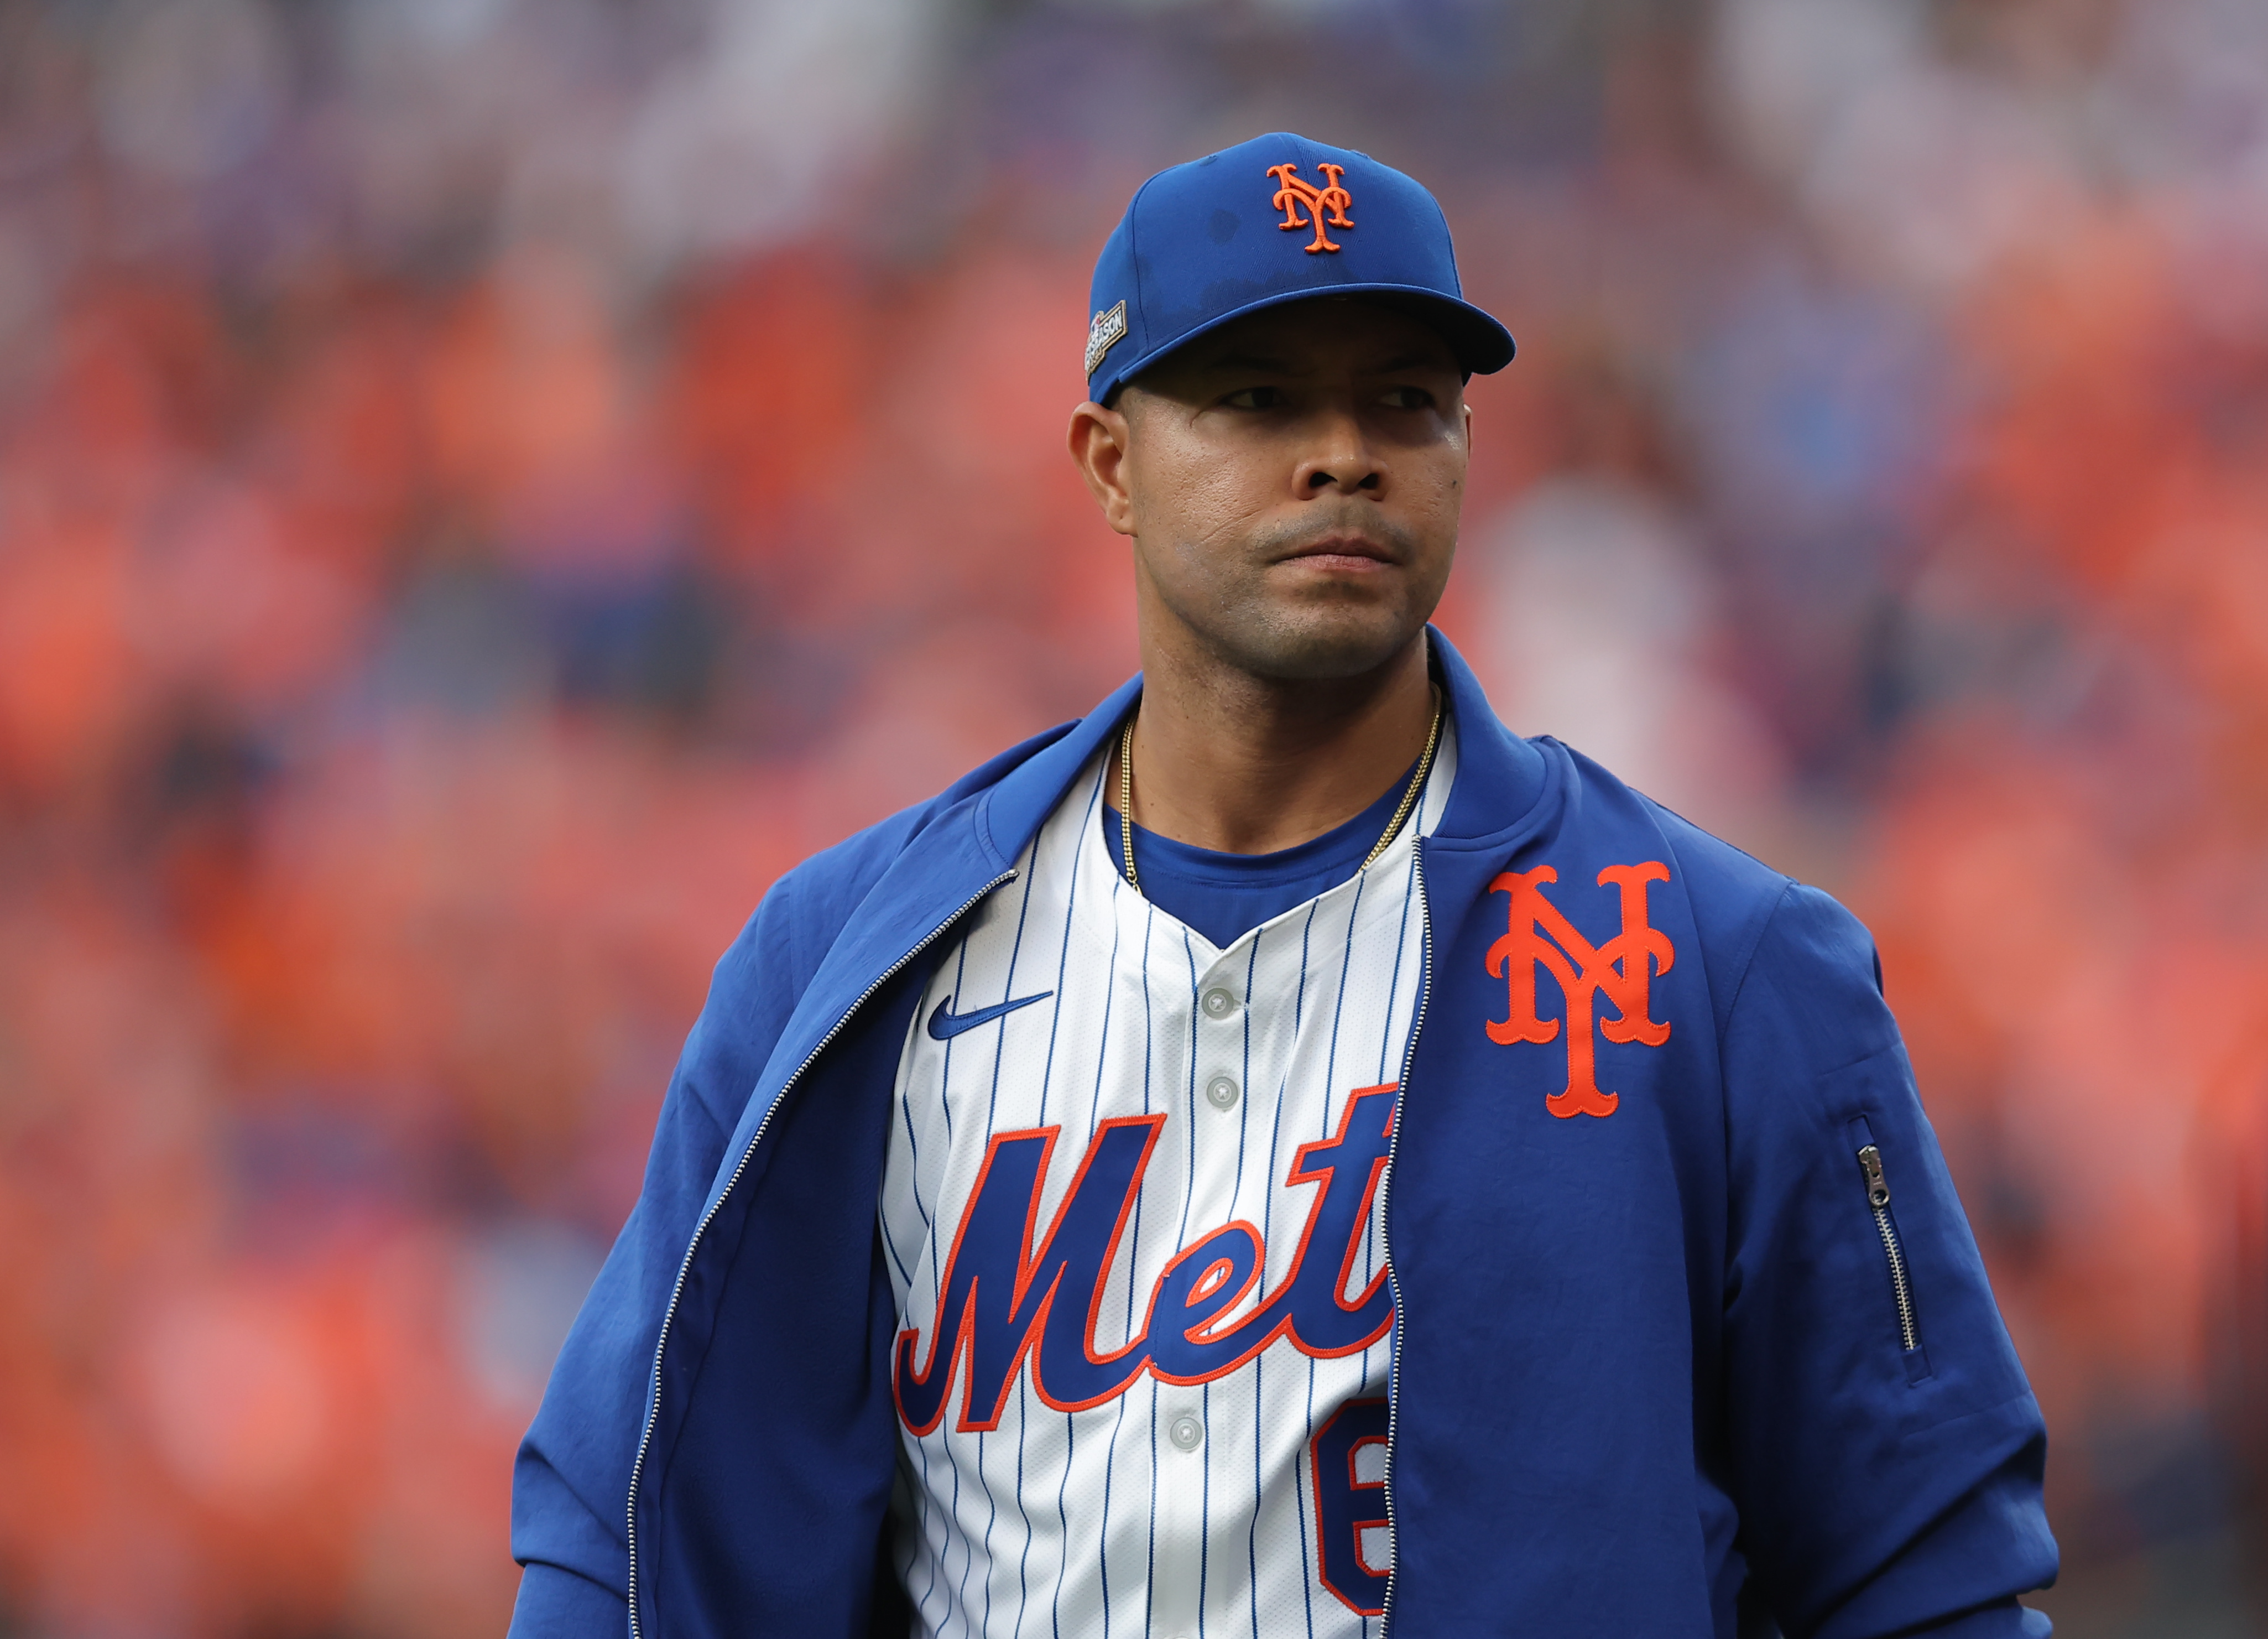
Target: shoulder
{"points": [[1732, 897], [807, 908], [1815, 985], [1757, 926], [1793, 982], [764, 973], [1774, 946]]}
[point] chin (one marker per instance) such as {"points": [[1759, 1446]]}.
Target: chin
{"points": [[1345, 644]]}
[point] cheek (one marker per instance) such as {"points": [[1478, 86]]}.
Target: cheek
{"points": [[1195, 498], [1440, 487]]}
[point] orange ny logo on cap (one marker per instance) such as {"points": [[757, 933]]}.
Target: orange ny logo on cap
{"points": [[1331, 200]]}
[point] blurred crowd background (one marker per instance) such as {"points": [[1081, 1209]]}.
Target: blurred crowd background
{"points": [[485, 485]]}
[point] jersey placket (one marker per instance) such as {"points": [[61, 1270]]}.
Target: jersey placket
{"points": [[1199, 1423]]}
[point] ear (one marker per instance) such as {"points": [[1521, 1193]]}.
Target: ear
{"points": [[1099, 448]]}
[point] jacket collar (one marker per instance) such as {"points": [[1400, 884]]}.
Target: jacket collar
{"points": [[1501, 779], [1010, 815], [1500, 776]]}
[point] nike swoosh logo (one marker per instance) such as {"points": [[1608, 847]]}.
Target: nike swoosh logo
{"points": [[945, 1025]]}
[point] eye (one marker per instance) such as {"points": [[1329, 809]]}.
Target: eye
{"points": [[1256, 398], [1407, 398]]}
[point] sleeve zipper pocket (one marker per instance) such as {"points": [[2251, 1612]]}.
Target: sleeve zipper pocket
{"points": [[1878, 1200]]}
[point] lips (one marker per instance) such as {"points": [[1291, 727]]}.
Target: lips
{"points": [[1350, 552]]}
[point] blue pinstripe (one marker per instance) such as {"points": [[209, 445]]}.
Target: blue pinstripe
{"points": [[1024, 1561], [1252, 1533], [1008, 989], [1149, 1038], [1300, 1486], [1109, 1469], [1094, 1118], [890, 1245], [1062, 1519], [967, 1549], [1338, 1004], [1204, 1508], [1299, 1470], [937, 1297], [991, 1519], [921, 1605], [1063, 967], [945, 1105], [1150, 1583], [992, 1125], [1394, 983], [1267, 1194]]}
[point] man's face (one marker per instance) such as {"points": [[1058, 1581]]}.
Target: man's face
{"points": [[1291, 482]]}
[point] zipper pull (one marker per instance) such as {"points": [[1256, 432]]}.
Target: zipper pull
{"points": [[1878, 1192]]}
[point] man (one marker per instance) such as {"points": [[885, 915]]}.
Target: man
{"points": [[1284, 1156]]}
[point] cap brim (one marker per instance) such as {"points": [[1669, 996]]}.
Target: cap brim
{"points": [[1481, 345]]}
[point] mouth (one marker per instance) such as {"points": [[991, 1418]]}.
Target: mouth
{"points": [[1355, 554]]}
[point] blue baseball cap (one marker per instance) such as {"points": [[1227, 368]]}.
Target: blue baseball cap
{"points": [[1280, 218]]}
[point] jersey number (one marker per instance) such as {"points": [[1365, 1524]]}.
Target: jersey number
{"points": [[1346, 1460]]}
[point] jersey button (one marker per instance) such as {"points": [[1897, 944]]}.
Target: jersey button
{"points": [[1222, 1092], [1218, 1003], [1186, 1432]]}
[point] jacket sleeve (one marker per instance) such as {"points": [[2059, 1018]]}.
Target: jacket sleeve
{"points": [[571, 1484], [1885, 1450]]}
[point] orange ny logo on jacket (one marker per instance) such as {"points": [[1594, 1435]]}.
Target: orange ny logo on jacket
{"points": [[1622, 970]]}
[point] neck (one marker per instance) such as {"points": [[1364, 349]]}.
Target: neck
{"points": [[1238, 763]]}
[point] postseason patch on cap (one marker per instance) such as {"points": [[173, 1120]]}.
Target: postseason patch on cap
{"points": [[1107, 329]]}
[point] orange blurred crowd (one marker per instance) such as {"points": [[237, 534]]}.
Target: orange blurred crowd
{"points": [[415, 667]]}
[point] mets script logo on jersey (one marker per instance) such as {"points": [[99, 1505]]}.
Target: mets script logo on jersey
{"points": [[1331, 200], [1540, 941], [1011, 1295]]}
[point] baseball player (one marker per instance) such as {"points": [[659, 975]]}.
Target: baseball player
{"points": [[1284, 1156]]}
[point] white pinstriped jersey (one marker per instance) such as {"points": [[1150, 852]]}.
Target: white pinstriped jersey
{"points": [[1138, 1175]]}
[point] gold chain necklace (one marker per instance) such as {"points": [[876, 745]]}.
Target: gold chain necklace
{"points": [[1393, 826]]}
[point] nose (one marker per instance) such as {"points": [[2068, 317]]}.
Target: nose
{"points": [[1339, 459]]}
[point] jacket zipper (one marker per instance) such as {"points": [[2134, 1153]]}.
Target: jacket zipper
{"points": [[677, 1291], [1385, 1194], [1878, 1198]]}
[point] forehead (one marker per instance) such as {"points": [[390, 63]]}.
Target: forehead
{"points": [[1324, 335]]}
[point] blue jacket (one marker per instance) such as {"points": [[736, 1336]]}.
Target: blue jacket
{"points": [[1646, 1356]]}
